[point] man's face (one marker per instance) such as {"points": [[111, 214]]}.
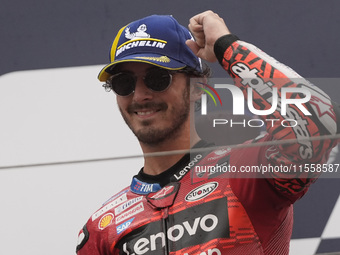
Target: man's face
{"points": [[155, 116]]}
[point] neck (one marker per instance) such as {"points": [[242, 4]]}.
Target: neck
{"points": [[154, 165]]}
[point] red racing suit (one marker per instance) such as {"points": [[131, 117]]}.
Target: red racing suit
{"points": [[187, 210]]}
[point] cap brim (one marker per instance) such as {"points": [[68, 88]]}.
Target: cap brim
{"points": [[153, 59]]}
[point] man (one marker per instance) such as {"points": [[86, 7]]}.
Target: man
{"points": [[170, 208]]}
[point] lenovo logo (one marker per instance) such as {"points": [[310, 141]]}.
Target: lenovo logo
{"points": [[193, 226], [175, 233]]}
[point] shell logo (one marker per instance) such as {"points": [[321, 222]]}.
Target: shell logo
{"points": [[105, 221]]}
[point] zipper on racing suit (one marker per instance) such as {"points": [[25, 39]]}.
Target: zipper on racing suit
{"points": [[165, 227]]}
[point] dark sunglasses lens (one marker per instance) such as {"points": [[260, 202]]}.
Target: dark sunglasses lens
{"points": [[123, 84], [158, 80]]}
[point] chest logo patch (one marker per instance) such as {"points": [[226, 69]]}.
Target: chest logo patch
{"points": [[201, 192]]}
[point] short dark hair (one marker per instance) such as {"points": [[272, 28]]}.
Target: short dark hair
{"points": [[206, 71]]}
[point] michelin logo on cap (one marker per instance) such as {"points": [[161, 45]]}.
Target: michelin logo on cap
{"points": [[139, 39], [157, 40], [137, 35]]}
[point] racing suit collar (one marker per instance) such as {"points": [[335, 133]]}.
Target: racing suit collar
{"points": [[166, 177]]}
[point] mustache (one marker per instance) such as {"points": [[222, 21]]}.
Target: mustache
{"points": [[134, 107]]}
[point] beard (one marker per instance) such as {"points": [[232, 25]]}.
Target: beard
{"points": [[152, 135]]}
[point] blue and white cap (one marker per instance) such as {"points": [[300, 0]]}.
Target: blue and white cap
{"points": [[158, 40]]}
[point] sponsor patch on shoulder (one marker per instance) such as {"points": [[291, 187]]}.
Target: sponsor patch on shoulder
{"points": [[127, 204], [109, 206], [122, 227], [133, 211], [115, 196], [105, 221]]}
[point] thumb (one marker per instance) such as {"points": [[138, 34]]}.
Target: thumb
{"points": [[193, 46], [200, 52]]}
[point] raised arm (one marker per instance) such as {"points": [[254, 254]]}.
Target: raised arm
{"points": [[255, 71]]}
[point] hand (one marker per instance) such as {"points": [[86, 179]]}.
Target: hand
{"points": [[206, 27]]}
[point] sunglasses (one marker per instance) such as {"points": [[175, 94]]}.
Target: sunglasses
{"points": [[124, 83]]}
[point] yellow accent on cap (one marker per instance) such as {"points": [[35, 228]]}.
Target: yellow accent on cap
{"points": [[103, 75], [162, 59], [115, 43]]}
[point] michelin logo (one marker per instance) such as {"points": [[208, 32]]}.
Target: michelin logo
{"points": [[139, 39], [137, 35]]}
